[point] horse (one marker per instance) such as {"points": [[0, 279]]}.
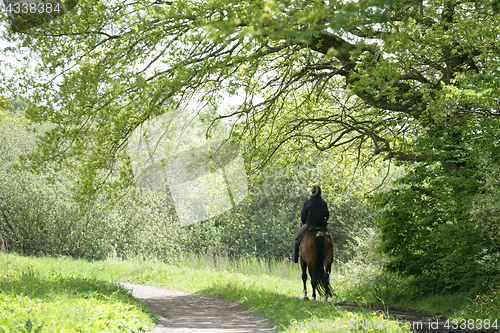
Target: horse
{"points": [[316, 255]]}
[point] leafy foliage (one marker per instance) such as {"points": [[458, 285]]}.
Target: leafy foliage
{"points": [[410, 81], [41, 217]]}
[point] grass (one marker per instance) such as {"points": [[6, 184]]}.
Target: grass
{"points": [[41, 295], [408, 293], [52, 294]]}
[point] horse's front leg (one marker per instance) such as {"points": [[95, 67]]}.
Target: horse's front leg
{"points": [[304, 277]]}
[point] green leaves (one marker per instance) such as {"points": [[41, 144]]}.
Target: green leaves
{"points": [[428, 231], [412, 82]]}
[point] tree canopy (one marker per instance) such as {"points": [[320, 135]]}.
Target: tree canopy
{"points": [[408, 81]]}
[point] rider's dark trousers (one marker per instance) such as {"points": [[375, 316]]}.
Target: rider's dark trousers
{"points": [[302, 229]]}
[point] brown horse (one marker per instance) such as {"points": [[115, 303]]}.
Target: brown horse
{"points": [[316, 255]]}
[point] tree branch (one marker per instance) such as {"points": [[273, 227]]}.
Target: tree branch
{"points": [[401, 156], [424, 191], [325, 41]]}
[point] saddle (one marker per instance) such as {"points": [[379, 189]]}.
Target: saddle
{"points": [[312, 227]]}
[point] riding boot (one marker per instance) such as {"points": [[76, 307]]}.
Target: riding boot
{"points": [[296, 251]]}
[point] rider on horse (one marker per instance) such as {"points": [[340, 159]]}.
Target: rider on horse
{"points": [[314, 212]]}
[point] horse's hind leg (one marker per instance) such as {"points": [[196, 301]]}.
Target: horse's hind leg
{"points": [[314, 283], [328, 291], [327, 284], [304, 277]]}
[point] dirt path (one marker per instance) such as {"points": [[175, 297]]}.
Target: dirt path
{"points": [[419, 321], [178, 312]]}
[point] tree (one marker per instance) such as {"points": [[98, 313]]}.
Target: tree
{"points": [[409, 81]]}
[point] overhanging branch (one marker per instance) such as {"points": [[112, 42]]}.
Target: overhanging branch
{"points": [[400, 156], [424, 191]]}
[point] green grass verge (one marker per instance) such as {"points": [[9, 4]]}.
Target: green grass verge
{"points": [[379, 287], [48, 291], [44, 292], [41, 295]]}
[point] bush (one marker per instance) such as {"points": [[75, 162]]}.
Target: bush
{"points": [[441, 240], [38, 216], [41, 217]]}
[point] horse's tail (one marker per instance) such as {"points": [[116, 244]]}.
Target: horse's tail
{"points": [[319, 278]]}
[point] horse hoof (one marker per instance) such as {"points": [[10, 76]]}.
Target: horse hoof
{"points": [[306, 298]]}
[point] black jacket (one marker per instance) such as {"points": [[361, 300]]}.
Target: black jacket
{"points": [[315, 212]]}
